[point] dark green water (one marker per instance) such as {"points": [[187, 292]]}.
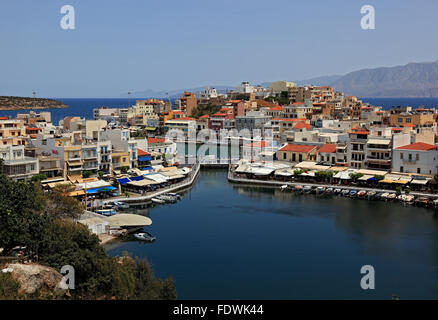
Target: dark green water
{"points": [[223, 241]]}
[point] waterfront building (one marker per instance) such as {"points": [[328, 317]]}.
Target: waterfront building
{"points": [[327, 154], [378, 153], [185, 125], [297, 153], [253, 120], [356, 151], [419, 157]]}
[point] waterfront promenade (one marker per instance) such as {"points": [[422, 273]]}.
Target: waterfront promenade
{"points": [[188, 181], [273, 183]]}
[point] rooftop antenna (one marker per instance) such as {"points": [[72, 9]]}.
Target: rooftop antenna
{"points": [[129, 99]]}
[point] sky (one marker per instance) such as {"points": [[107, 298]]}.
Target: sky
{"points": [[136, 45]]}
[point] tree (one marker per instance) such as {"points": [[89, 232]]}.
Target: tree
{"points": [[124, 169], [297, 172], [398, 190], [58, 204], [355, 176], [407, 190], [38, 177], [379, 177], [86, 174], [101, 174]]}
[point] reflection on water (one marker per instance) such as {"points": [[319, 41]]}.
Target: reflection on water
{"points": [[249, 242]]}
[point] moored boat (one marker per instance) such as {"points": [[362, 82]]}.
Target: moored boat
{"points": [[107, 212], [144, 236], [157, 200]]}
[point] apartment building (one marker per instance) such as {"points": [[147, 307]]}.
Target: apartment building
{"points": [[356, 148], [297, 153], [16, 165], [12, 132], [188, 102]]}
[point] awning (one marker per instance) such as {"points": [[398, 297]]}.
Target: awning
{"points": [[74, 193], [421, 182], [136, 178], [386, 181], [142, 183], [97, 190], [75, 163], [123, 181], [144, 158], [379, 141], [365, 177]]}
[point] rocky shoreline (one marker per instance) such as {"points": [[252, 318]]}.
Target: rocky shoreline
{"points": [[25, 103]]}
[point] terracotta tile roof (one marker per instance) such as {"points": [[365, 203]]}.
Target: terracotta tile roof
{"points": [[142, 153], [297, 148], [258, 144], [276, 108], [156, 140], [328, 148], [418, 146], [302, 125]]}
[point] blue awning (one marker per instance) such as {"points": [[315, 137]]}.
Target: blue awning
{"points": [[144, 158], [97, 190], [148, 168], [136, 178], [123, 181]]}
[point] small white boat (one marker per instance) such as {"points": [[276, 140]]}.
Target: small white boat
{"points": [[121, 205], [156, 200], [338, 191], [144, 236], [284, 187], [391, 196], [107, 212]]}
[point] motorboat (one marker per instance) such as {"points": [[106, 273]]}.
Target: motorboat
{"points": [[345, 192], [385, 195], [338, 191], [320, 190], [391, 196], [175, 195], [361, 194], [157, 200], [371, 194], [144, 236], [307, 189], [166, 198], [329, 190], [284, 187], [121, 205], [107, 212], [353, 193]]}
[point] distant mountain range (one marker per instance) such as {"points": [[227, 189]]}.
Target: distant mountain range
{"points": [[414, 80]]}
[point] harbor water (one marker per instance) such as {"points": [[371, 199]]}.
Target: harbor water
{"points": [[225, 241]]}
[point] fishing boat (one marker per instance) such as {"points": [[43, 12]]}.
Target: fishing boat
{"points": [[144, 236], [345, 192], [338, 191], [107, 212], [121, 205], [353, 193], [379, 196], [298, 189], [307, 189], [371, 194], [283, 187], [391, 196], [175, 195], [320, 190], [166, 198], [361, 194], [422, 201], [329, 190], [156, 200], [435, 203], [409, 199], [384, 196]]}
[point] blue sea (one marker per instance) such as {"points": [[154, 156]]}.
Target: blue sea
{"points": [[83, 107]]}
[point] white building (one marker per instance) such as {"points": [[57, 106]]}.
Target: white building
{"points": [[16, 165], [418, 157], [208, 93]]}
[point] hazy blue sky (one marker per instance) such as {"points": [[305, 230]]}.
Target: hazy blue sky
{"points": [[134, 45]]}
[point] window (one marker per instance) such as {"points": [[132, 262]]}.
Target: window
{"points": [[401, 169], [401, 155], [417, 157], [410, 157], [400, 120], [418, 170], [284, 155], [408, 120]]}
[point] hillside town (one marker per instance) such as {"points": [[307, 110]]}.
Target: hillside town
{"points": [[302, 131]]}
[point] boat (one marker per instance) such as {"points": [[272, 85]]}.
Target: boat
{"points": [[409, 199], [338, 191], [166, 198], [353, 193], [175, 195], [156, 200], [329, 190], [107, 212], [435, 203], [144, 236], [371, 194], [380, 196], [391, 196], [283, 187], [345, 192], [361, 194], [307, 189], [320, 190], [384, 196], [298, 189], [422, 201], [121, 205]]}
